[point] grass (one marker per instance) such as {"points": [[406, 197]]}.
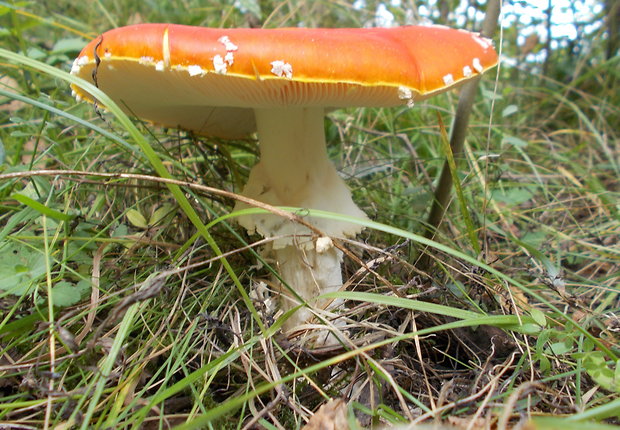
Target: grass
{"points": [[129, 298]]}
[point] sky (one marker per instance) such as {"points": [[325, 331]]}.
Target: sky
{"points": [[527, 12], [563, 16]]}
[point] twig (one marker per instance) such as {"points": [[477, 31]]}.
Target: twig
{"points": [[457, 135], [94, 294], [512, 401]]}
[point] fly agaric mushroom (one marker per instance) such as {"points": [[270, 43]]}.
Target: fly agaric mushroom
{"points": [[230, 83]]}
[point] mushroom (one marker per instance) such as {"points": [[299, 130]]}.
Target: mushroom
{"points": [[230, 83]]}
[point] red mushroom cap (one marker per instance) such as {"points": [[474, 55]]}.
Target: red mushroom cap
{"points": [[206, 80]]}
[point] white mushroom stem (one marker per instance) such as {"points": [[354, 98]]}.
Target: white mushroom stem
{"points": [[294, 170]]}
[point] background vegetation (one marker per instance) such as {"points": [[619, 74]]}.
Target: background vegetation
{"points": [[116, 313]]}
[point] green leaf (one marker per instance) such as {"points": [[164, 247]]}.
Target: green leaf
{"points": [[539, 317], [561, 348], [22, 324], [535, 238], [20, 267], [159, 215], [68, 45], [21, 217], [491, 95], [514, 141], [66, 293], [596, 366], [544, 365], [36, 53], [553, 270], [542, 340], [456, 181], [512, 196], [137, 219], [35, 188], [121, 231], [525, 328], [78, 253], [509, 110]]}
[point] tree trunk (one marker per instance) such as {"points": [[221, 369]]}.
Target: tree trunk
{"points": [[612, 22], [549, 37]]}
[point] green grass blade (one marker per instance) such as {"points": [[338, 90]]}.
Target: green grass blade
{"points": [[456, 181], [404, 303], [41, 208]]}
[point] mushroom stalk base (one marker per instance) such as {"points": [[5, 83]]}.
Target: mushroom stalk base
{"points": [[309, 274], [294, 170]]}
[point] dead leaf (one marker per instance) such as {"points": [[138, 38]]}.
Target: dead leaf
{"points": [[8, 104], [531, 42], [466, 422], [32, 148], [134, 19], [331, 416]]}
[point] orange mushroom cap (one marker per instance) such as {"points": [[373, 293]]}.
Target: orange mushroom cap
{"points": [[207, 80]]}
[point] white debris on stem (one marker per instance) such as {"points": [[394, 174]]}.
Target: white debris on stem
{"points": [[261, 295], [323, 244]]}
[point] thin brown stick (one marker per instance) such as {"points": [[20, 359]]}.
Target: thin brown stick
{"points": [[457, 135], [94, 295]]}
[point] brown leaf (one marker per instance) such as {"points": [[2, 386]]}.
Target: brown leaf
{"points": [[331, 416], [8, 104], [136, 18], [531, 42], [466, 422]]}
